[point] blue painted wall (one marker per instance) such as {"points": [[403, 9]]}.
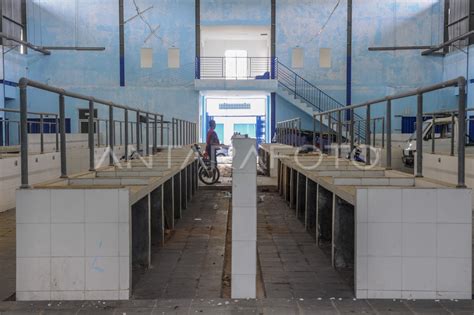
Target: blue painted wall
{"points": [[95, 23], [171, 91]]}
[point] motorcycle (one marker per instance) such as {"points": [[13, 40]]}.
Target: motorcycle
{"points": [[208, 173]]}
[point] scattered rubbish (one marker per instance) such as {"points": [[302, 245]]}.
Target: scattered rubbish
{"points": [[332, 298], [219, 304], [437, 301], [226, 302], [197, 219], [49, 304], [301, 299], [354, 299], [215, 207], [261, 199], [227, 194], [319, 299], [340, 299]]}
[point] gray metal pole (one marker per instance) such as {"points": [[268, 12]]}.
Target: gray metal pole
{"points": [[374, 132], [90, 137], [62, 132], [339, 133], [147, 134], [41, 134], [321, 138], [419, 137], [433, 134], [383, 133], [461, 133], [138, 131], [57, 133], [172, 131], [351, 126], [452, 133], [314, 132], [125, 114], [161, 129], [98, 132], [111, 135], [155, 134], [330, 132], [367, 136], [24, 136], [389, 135]]}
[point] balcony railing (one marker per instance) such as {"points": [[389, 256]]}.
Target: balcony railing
{"points": [[235, 68]]}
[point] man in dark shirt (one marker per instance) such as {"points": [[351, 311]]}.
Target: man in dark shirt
{"points": [[212, 140]]}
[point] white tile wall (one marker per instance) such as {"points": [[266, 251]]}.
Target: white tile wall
{"points": [[102, 239], [244, 224], [33, 274], [419, 205], [63, 254], [454, 274], [101, 205], [67, 240], [419, 239], [102, 273], [384, 239], [33, 206], [244, 219], [413, 243], [385, 205], [243, 286], [419, 274], [67, 273], [244, 262], [33, 240], [453, 206], [454, 240], [67, 206]]}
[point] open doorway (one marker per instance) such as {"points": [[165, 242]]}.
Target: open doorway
{"points": [[236, 112]]}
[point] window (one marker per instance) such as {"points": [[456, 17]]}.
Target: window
{"points": [[325, 57], [13, 22], [173, 58], [297, 58], [146, 58], [236, 64], [246, 129], [458, 21]]}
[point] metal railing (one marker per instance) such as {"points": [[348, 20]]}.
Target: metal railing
{"points": [[235, 68], [311, 94], [289, 131], [459, 82], [154, 121], [6, 122], [184, 132]]}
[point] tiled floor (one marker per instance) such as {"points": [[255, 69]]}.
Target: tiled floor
{"points": [[191, 263], [291, 263]]}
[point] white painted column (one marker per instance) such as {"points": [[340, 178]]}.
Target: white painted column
{"points": [[244, 218]]}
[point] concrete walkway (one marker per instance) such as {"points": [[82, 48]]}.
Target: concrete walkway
{"points": [[190, 265], [292, 265]]}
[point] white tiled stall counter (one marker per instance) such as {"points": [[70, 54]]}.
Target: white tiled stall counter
{"points": [[413, 243], [73, 244]]}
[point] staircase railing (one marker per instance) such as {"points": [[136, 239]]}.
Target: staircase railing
{"points": [[311, 94]]}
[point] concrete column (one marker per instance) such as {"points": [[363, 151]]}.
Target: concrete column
{"points": [[244, 218]]}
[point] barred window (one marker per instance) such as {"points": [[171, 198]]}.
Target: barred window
{"points": [[13, 22]]}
